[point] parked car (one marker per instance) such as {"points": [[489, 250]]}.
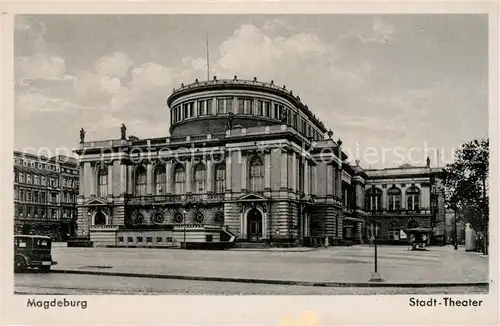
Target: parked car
{"points": [[32, 251]]}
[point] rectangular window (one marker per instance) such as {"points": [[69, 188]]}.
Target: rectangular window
{"points": [[16, 176], [209, 107], [267, 109], [35, 197], [199, 110], [21, 177], [248, 106], [120, 239], [103, 185], [240, 109], [21, 211], [220, 180], [220, 106], [209, 238], [149, 239], [191, 109], [16, 193], [42, 198], [276, 111], [169, 239], [28, 178], [260, 108], [29, 211], [28, 195], [21, 195], [139, 239], [130, 239], [159, 239], [54, 214]]}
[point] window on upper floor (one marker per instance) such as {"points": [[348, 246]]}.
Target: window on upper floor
{"points": [[267, 109], [28, 178], [160, 180], [394, 199], [373, 199], [220, 178], [16, 176], [102, 182], [199, 179], [220, 106], [21, 177], [140, 181], [256, 174], [260, 108], [413, 198], [248, 106], [179, 179]]}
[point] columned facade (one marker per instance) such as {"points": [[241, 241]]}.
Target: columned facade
{"points": [[246, 161]]}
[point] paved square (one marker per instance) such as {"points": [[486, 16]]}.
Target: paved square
{"points": [[335, 264]]}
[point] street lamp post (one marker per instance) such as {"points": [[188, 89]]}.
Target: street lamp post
{"points": [[375, 277], [184, 224], [455, 233]]}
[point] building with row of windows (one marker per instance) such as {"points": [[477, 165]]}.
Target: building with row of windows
{"points": [[245, 160], [45, 195]]}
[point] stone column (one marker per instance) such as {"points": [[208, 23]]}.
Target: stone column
{"points": [[123, 178], [359, 199], [284, 169], [244, 171], [314, 180], [330, 180], [267, 171], [305, 169], [264, 225], [189, 178], [110, 179], [169, 181], [149, 179], [339, 182], [81, 185], [209, 185]]}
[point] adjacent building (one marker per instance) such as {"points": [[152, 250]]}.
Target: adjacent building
{"points": [[248, 161], [45, 191]]}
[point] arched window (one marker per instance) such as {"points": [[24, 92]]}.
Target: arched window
{"points": [[373, 199], [220, 178], [140, 181], [179, 179], [200, 175], [256, 173], [99, 218], [394, 199], [413, 199], [102, 182], [160, 180]]}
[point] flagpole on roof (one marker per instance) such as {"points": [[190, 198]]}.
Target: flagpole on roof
{"points": [[208, 59]]}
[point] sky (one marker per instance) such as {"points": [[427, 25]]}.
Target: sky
{"points": [[393, 88]]}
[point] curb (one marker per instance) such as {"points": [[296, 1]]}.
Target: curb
{"points": [[276, 282]]}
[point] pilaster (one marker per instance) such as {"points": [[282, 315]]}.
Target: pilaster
{"points": [[244, 171], [267, 170], [149, 178], [110, 179], [210, 182], [189, 177], [284, 169], [169, 181]]}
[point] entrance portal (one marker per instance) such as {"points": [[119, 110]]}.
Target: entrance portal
{"points": [[254, 225]]}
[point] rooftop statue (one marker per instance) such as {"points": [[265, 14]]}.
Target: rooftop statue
{"points": [[82, 136], [123, 131]]}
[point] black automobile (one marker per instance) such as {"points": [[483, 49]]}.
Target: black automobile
{"points": [[32, 251]]}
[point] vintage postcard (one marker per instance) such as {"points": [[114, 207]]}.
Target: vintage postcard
{"points": [[266, 164]]}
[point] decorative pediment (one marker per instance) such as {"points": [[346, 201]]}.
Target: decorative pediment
{"points": [[96, 201], [252, 196]]}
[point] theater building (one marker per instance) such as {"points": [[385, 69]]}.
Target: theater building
{"points": [[245, 161]]}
